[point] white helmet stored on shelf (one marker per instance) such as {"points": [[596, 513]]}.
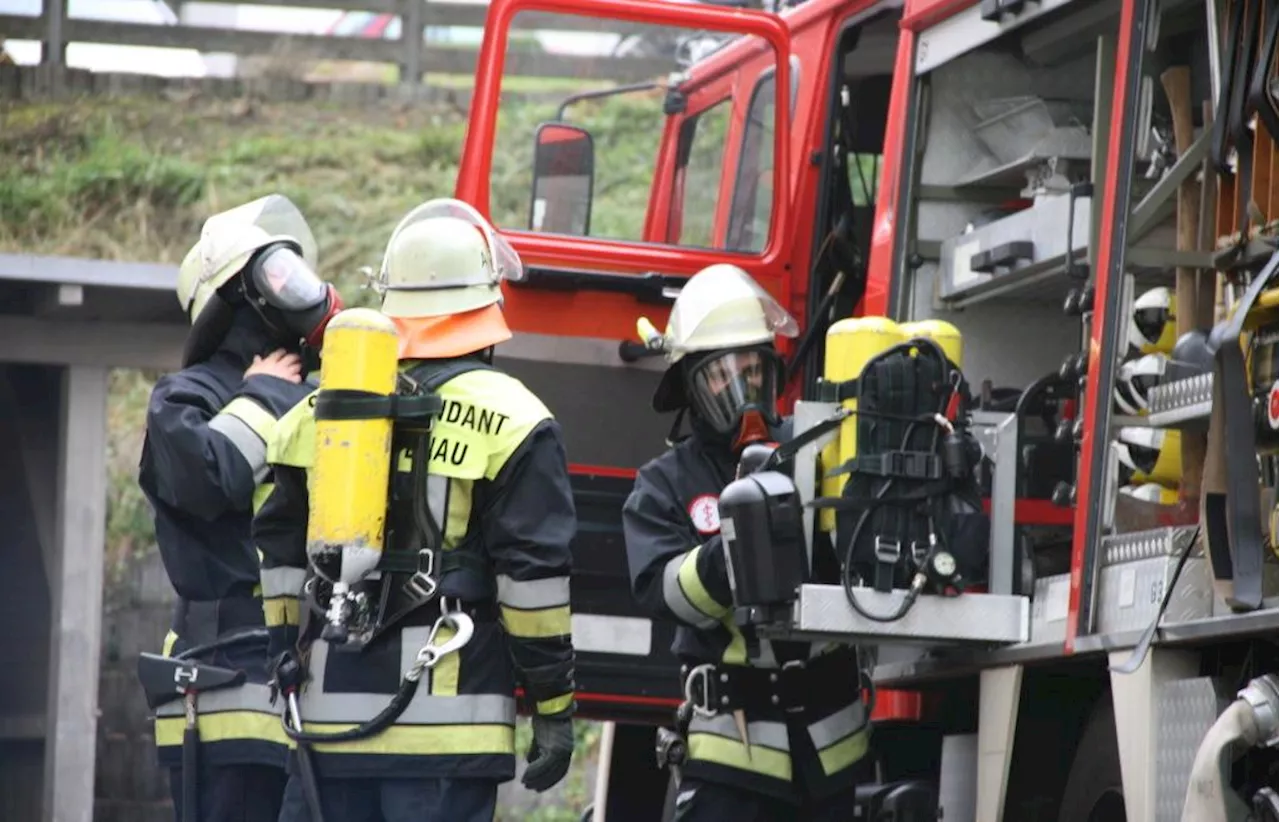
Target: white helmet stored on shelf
{"points": [[1153, 322], [1134, 381], [1149, 455]]}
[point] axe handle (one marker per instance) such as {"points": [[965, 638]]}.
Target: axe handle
{"points": [[1176, 81], [191, 775]]}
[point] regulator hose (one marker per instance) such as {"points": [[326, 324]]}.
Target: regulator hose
{"points": [[399, 702]]}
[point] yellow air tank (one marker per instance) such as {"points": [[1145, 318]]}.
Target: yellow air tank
{"points": [[850, 344], [349, 480], [946, 335]]}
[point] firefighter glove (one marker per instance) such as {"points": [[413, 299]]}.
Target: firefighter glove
{"points": [[550, 752]]}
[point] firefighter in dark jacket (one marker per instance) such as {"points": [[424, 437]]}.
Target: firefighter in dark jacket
{"points": [[490, 539], [777, 735], [249, 289]]}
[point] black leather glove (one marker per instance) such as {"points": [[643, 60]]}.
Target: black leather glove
{"points": [[550, 753]]}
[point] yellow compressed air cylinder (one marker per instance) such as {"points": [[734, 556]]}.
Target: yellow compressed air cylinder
{"points": [[946, 335], [850, 344], [349, 480]]}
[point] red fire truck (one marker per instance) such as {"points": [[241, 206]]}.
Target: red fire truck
{"points": [[1084, 191]]}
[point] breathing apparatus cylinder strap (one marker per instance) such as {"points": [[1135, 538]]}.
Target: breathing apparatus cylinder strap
{"points": [[398, 562], [347, 404], [1233, 520]]}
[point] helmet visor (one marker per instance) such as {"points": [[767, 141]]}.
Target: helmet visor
{"points": [[506, 263], [723, 387], [1150, 322], [284, 280]]}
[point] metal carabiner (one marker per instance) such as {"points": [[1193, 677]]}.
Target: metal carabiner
{"points": [[703, 672], [431, 653]]}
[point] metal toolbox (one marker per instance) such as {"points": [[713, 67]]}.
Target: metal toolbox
{"points": [[1136, 570]]}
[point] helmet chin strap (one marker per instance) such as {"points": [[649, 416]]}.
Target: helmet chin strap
{"points": [[751, 429]]}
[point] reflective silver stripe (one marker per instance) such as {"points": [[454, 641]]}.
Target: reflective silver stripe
{"points": [[317, 705], [533, 594], [438, 499], [283, 581], [246, 441], [674, 596], [838, 726], [247, 697], [765, 734], [424, 708]]}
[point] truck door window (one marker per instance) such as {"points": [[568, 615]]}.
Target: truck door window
{"points": [[702, 144], [864, 177], [750, 210], [631, 87]]}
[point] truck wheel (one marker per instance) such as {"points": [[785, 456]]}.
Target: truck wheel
{"points": [[1095, 791]]}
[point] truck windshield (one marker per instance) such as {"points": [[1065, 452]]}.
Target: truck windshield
{"points": [[670, 136]]}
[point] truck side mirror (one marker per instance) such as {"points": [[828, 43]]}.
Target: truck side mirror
{"points": [[563, 179]]}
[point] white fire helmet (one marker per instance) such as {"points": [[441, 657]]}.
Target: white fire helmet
{"points": [[444, 258]]}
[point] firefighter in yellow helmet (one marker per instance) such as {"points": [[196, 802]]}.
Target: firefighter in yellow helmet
{"points": [[479, 522], [775, 736], [254, 302]]}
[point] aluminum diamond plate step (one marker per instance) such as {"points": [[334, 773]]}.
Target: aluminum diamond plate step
{"points": [[1182, 402]]}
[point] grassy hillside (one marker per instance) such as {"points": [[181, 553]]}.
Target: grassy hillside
{"points": [[134, 180]]}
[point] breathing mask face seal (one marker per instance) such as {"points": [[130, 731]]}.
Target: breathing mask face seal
{"points": [[287, 294], [735, 392]]}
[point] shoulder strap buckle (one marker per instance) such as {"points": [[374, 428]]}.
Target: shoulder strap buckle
{"points": [[422, 584]]}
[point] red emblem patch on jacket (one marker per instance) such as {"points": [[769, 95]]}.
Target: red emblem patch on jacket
{"points": [[704, 511]]}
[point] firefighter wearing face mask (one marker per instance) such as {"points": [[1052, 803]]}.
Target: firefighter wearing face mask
{"points": [[780, 738], [254, 304], [479, 521]]}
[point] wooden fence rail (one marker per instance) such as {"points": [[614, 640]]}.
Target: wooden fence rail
{"points": [[54, 29]]}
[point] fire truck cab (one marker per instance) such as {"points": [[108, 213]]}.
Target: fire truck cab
{"points": [[1031, 173]]}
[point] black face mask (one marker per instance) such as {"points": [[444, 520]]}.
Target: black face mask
{"points": [[724, 386], [279, 285], [277, 292]]}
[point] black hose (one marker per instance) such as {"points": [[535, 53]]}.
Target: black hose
{"points": [[399, 702], [917, 586], [310, 785], [259, 634], [1032, 391]]}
